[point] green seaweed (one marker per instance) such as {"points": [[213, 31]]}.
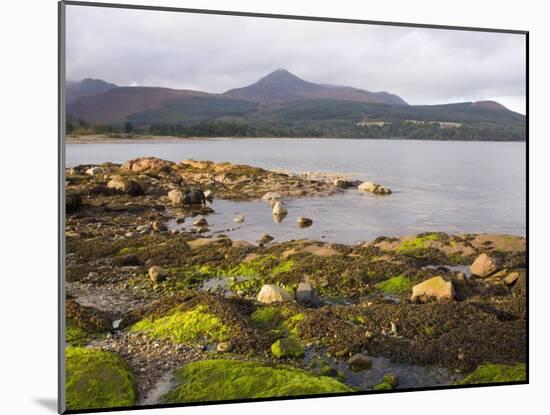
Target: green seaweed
{"points": [[287, 347], [212, 380], [493, 373], [185, 327], [97, 379], [420, 242], [395, 285]]}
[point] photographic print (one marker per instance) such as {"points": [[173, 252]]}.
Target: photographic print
{"points": [[259, 207]]}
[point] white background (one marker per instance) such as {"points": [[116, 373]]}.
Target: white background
{"points": [[28, 157]]}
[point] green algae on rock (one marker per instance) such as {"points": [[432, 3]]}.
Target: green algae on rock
{"points": [[493, 373], [185, 327], [287, 347], [395, 285], [214, 380], [97, 379]]}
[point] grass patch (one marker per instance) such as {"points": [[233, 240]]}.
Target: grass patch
{"points": [[395, 285], [212, 380], [491, 373], [97, 379], [185, 327]]}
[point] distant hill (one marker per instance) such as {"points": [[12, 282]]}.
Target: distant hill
{"points": [[281, 104], [281, 86], [86, 87], [117, 104]]}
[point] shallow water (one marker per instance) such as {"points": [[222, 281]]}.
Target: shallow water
{"points": [[410, 376], [437, 186]]}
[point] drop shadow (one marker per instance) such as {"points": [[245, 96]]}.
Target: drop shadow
{"points": [[48, 403]]}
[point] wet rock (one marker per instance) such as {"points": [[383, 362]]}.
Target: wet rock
{"points": [[483, 266], [265, 238], [94, 171], [157, 274], [200, 222], [345, 184], [374, 188], [194, 197], [279, 209], [208, 194], [287, 347], [435, 287], [304, 222], [180, 219], [176, 197], [305, 294], [238, 219], [73, 202], [125, 185], [511, 278], [272, 294], [359, 362], [224, 347]]}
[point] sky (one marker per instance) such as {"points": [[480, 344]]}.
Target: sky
{"points": [[215, 53]]}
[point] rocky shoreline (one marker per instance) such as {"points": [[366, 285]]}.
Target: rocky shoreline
{"points": [[317, 316]]}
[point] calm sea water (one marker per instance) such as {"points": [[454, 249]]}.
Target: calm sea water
{"points": [[437, 186]]}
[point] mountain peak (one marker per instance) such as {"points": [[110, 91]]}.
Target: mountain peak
{"points": [[282, 86], [278, 76]]}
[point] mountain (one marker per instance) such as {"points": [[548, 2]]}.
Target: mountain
{"points": [[283, 105], [117, 104], [86, 87], [281, 86]]}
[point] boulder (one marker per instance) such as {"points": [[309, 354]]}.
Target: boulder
{"points": [[359, 362], [200, 222], [194, 197], [94, 171], [176, 197], [374, 188], [483, 266], [125, 185], [157, 274], [279, 209], [265, 238], [272, 294], [511, 278], [306, 294], [224, 347], [304, 222], [145, 164], [238, 219], [435, 287], [287, 347]]}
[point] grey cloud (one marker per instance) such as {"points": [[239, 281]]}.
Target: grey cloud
{"points": [[216, 53]]}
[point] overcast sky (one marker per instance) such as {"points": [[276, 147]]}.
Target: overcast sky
{"points": [[216, 53]]}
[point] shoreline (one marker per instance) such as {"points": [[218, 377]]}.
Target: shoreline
{"points": [[99, 139]]}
